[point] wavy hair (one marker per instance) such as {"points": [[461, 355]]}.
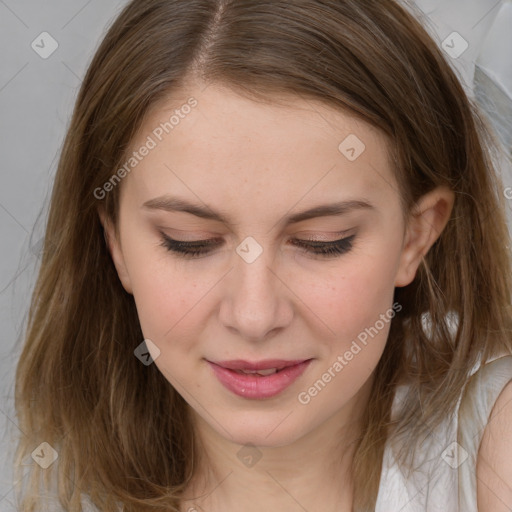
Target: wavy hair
{"points": [[121, 430]]}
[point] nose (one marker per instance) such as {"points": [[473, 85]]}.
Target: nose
{"points": [[255, 299]]}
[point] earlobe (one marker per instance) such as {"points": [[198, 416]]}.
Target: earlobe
{"points": [[426, 222], [115, 250]]}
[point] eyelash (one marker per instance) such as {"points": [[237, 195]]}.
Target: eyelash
{"points": [[199, 248]]}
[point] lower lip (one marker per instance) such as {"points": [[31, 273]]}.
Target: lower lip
{"points": [[258, 387]]}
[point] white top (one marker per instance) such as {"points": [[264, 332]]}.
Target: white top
{"points": [[446, 481]]}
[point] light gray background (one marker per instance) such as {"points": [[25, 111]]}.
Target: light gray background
{"points": [[36, 101]]}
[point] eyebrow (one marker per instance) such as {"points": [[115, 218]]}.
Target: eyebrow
{"points": [[175, 204]]}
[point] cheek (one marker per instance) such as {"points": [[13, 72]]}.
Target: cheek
{"points": [[345, 296], [356, 302], [352, 294], [167, 297]]}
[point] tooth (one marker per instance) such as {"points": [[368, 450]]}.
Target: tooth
{"points": [[270, 371]]}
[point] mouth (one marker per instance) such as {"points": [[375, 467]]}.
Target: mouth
{"points": [[241, 364], [258, 379]]}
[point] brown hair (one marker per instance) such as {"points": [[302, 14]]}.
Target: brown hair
{"points": [[120, 429]]}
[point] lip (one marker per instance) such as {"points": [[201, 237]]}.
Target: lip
{"points": [[258, 387], [240, 364]]}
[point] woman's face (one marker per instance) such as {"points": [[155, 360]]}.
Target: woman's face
{"points": [[261, 180]]}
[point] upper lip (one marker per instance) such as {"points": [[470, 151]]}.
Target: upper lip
{"points": [[266, 364]]}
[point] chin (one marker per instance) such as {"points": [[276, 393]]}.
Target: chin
{"points": [[272, 433]]}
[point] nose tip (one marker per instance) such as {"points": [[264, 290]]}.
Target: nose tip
{"points": [[254, 304]]}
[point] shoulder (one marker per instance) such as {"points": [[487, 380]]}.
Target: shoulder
{"points": [[494, 461]]}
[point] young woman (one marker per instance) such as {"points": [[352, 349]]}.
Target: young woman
{"points": [[275, 272]]}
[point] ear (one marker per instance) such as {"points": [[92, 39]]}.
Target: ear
{"points": [[115, 250], [426, 222]]}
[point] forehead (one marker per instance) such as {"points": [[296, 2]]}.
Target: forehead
{"points": [[228, 148]]}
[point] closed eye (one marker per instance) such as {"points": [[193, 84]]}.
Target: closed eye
{"points": [[199, 248]]}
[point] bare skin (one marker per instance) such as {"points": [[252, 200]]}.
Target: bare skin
{"points": [[258, 163]]}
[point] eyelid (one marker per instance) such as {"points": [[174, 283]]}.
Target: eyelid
{"points": [[329, 236], [314, 248], [182, 235], [332, 236]]}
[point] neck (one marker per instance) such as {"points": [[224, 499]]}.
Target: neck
{"points": [[311, 473]]}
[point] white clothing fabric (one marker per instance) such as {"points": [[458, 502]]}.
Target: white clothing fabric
{"points": [[446, 481]]}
